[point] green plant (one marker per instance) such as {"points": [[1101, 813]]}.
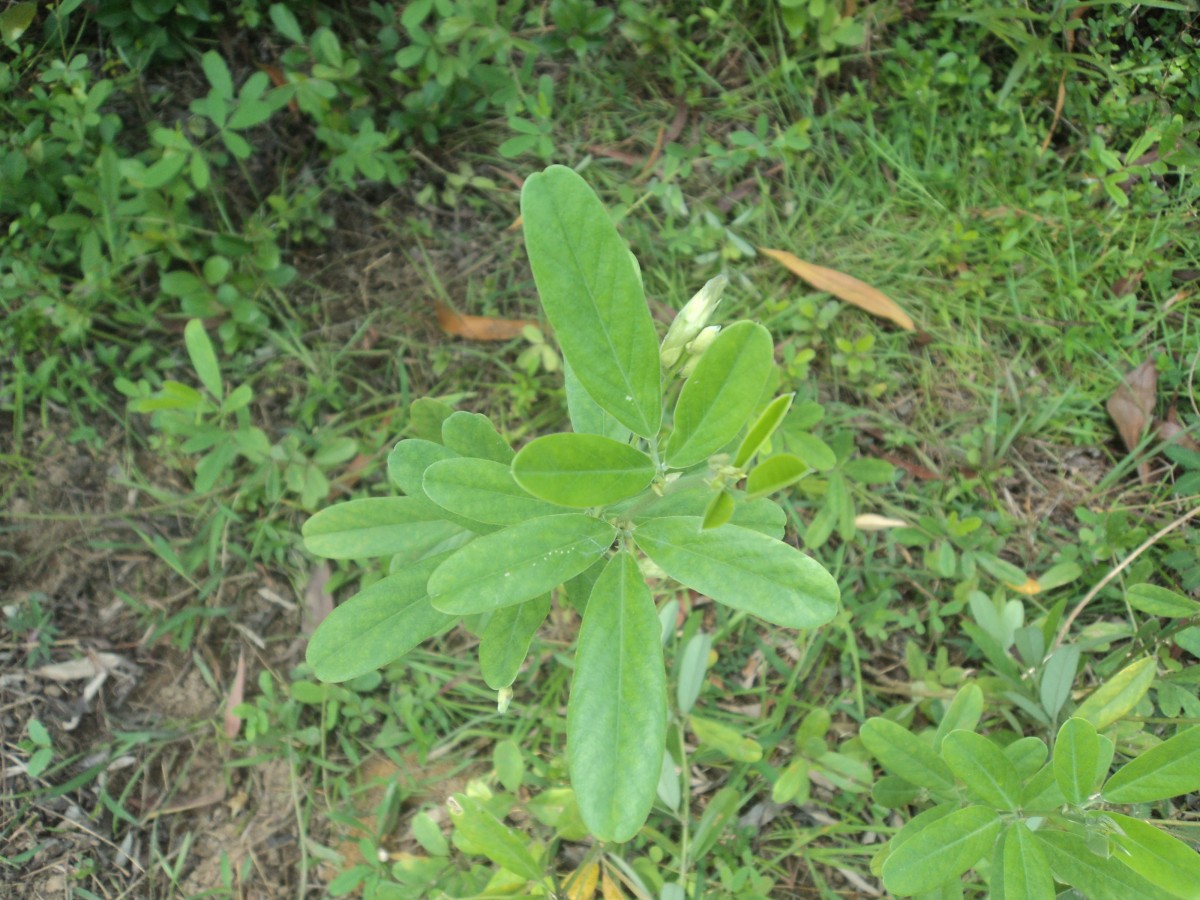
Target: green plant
{"points": [[40, 748], [216, 424], [457, 62], [1026, 821], [534, 134], [33, 624], [201, 420], [485, 534], [143, 31], [832, 24]]}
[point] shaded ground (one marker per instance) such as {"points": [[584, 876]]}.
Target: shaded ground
{"points": [[128, 661]]}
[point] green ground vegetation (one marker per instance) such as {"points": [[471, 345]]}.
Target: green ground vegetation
{"points": [[242, 246]]}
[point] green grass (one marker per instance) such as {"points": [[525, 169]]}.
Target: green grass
{"points": [[911, 174]]}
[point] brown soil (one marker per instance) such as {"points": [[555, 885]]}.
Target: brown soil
{"points": [[150, 798]]}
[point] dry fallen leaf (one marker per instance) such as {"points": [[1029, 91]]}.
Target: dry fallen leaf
{"points": [[1178, 297], [581, 884], [280, 80], [845, 287], [318, 602], [1171, 431], [208, 796], [1029, 588], [233, 722], [1132, 408], [85, 667], [479, 328], [609, 889], [872, 522]]}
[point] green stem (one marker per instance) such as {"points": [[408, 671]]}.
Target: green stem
{"points": [[686, 813]]}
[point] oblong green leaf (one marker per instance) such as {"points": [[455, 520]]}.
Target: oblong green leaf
{"points": [[719, 511], [765, 516], [203, 357], [812, 450], [1158, 601], [775, 473], [690, 668], [919, 823], [983, 768], [721, 394], [905, 755], [1000, 569], [1041, 792], [587, 416], [1027, 755], [1096, 877], [483, 833], [474, 435], [377, 625], [518, 563], [425, 418], [285, 23], [375, 526], [743, 569], [720, 812], [893, 792], [1119, 695], [617, 713], [1026, 874], [15, 19], [793, 785], [762, 429], [410, 458], [964, 712], [218, 74], [505, 640], [942, 851], [483, 490], [1168, 770], [1076, 755], [1057, 677], [1158, 857], [593, 297], [582, 470], [726, 740]]}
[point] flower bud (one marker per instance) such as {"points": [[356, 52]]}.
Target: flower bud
{"points": [[697, 347], [691, 319]]}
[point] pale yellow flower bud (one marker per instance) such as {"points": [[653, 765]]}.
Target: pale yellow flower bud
{"points": [[691, 319], [697, 347]]}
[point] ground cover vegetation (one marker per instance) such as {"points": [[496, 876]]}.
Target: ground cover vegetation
{"points": [[287, 344]]}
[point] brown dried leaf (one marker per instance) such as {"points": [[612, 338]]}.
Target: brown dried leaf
{"points": [[237, 691], [609, 889], [209, 796], [630, 159], [1172, 431], [479, 328], [912, 468], [873, 522], [1132, 403], [318, 602], [1128, 284], [1177, 298], [1132, 408], [279, 80], [78, 669], [581, 884], [1031, 587], [845, 287]]}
